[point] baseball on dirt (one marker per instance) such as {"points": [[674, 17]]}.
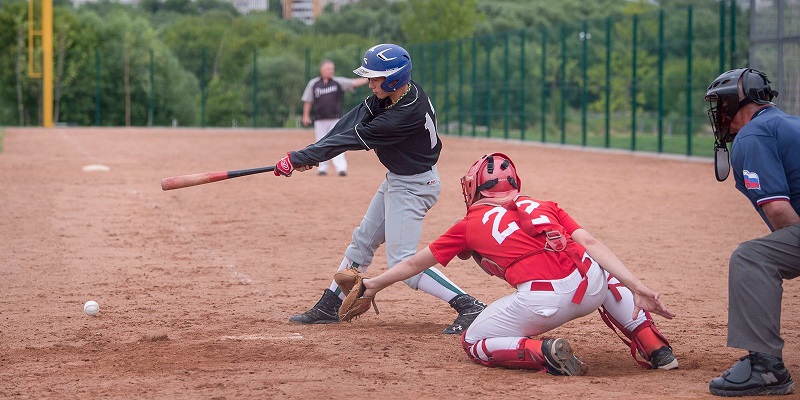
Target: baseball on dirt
{"points": [[91, 308]]}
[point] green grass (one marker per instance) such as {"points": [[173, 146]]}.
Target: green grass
{"points": [[702, 145], [2, 136], [674, 137]]}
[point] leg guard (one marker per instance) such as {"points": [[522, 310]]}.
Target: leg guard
{"points": [[527, 355], [632, 341]]}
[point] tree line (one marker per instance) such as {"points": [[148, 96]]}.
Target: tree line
{"points": [[199, 62]]}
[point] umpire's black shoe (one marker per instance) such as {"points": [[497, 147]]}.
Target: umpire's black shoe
{"points": [[326, 311], [754, 374], [468, 309]]}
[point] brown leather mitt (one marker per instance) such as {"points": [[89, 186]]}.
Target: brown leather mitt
{"points": [[355, 304]]}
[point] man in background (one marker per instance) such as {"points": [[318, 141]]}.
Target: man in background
{"points": [[324, 94]]}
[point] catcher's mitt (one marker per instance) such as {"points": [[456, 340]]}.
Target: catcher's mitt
{"points": [[355, 304]]}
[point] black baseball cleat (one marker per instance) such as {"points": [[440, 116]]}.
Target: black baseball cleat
{"points": [[468, 309], [755, 374], [326, 311], [663, 358], [560, 360]]}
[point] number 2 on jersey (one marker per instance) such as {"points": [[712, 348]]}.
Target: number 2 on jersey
{"points": [[512, 227]]}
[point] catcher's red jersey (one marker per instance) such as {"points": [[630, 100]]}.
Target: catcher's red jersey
{"points": [[497, 233]]}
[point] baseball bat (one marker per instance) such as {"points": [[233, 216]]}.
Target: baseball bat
{"points": [[182, 181]]}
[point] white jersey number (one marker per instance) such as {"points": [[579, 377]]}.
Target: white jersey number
{"points": [[512, 227], [430, 126]]}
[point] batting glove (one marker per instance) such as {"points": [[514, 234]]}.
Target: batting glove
{"points": [[284, 166]]}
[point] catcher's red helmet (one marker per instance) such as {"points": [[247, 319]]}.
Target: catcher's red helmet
{"points": [[492, 175]]}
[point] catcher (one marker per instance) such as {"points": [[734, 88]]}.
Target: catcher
{"points": [[555, 265]]}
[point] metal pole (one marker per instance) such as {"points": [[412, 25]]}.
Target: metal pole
{"points": [[506, 74], [255, 87], [308, 64], [544, 86], [488, 86], [474, 82], [421, 63], [661, 81], [152, 104], [434, 53], [97, 87], [563, 84], [47, 63], [733, 34], [633, 83], [447, 87], [522, 74], [584, 97], [689, 39], [203, 89], [721, 36], [460, 87], [608, 82]]}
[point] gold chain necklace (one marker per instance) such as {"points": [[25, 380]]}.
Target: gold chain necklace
{"points": [[408, 89]]}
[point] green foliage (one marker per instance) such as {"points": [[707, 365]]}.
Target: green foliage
{"points": [[127, 45], [187, 7], [505, 15], [18, 94], [226, 104], [438, 20], [191, 36], [205, 46], [376, 19], [74, 44], [279, 89]]}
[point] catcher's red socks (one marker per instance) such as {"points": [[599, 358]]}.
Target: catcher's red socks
{"points": [[649, 340]]}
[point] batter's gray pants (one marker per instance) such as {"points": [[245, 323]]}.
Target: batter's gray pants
{"points": [[395, 217], [755, 288]]}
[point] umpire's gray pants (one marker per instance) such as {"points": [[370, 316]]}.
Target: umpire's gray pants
{"points": [[395, 216], [755, 288]]}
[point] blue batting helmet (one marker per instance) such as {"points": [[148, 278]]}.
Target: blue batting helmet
{"points": [[389, 60]]}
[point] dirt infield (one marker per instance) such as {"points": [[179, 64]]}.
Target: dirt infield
{"points": [[195, 285]]}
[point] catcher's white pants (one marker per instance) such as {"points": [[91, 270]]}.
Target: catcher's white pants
{"points": [[529, 313], [321, 128]]}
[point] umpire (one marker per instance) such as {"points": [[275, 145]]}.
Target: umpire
{"points": [[766, 166]]}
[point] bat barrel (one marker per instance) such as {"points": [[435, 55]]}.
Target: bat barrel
{"points": [[182, 181]]}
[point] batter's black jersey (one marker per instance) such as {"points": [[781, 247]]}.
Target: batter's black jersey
{"points": [[403, 136]]}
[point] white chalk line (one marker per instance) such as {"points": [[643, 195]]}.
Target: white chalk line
{"points": [[293, 336]]}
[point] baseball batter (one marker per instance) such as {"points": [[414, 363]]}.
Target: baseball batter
{"points": [[324, 94], [766, 167], [554, 264], [398, 122]]}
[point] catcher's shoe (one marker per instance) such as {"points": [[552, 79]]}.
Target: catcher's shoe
{"points": [[560, 360], [468, 309], [754, 374], [326, 311], [663, 358]]}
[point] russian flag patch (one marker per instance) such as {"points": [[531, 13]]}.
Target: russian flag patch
{"points": [[751, 180]]}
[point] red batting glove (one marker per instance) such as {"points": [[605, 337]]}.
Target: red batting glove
{"points": [[284, 166]]}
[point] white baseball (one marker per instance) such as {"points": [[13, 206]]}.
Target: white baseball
{"points": [[91, 308]]}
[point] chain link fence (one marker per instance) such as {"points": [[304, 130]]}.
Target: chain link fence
{"points": [[633, 82], [775, 48]]}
